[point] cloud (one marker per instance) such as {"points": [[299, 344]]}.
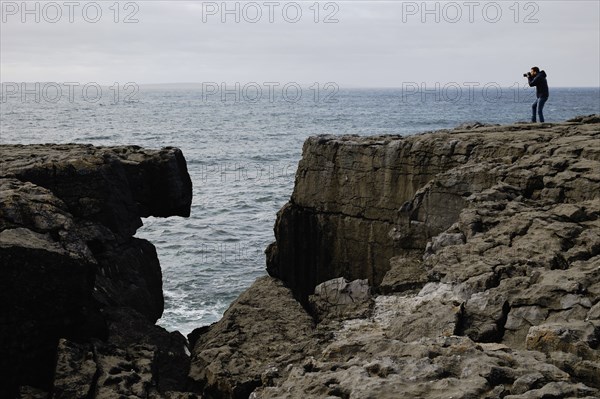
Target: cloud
{"points": [[371, 44]]}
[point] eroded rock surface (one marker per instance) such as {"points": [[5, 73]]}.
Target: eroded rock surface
{"points": [[461, 263], [262, 332], [481, 245], [75, 285], [341, 299], [359, 201]]}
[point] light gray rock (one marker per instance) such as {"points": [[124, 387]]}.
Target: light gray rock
{"points": [[405, 274], [388, 196], [341, 299], [444, 239], [579, 338], [485, 236]]}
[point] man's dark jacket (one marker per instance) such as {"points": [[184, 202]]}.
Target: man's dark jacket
{"points": [[540, 83]]}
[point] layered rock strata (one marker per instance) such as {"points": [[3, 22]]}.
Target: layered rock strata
{"points": [[461, 263], [482, 249], [360, 201]]}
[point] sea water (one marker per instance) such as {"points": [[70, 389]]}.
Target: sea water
{"points": [[242, 153]]}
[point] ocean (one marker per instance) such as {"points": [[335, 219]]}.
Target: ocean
{"points": [[242, 147]]}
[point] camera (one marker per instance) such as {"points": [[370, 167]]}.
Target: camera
{"points": [[526, 75]]}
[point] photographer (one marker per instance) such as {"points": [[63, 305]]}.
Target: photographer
{"points": [[537, 78]]}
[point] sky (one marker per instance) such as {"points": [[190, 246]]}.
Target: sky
{"points": [[350, 43]]}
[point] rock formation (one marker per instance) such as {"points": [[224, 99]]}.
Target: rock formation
{"points": [[461, 263], [482, 249], [79, 294]]}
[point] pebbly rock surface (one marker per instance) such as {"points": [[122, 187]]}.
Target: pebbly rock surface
{"points": [[79, 295], [481, 247]]}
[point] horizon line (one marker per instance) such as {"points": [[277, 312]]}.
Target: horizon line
{"points": [[300, 84]]}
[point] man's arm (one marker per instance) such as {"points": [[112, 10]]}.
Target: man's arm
{"points": [[533, 81]]}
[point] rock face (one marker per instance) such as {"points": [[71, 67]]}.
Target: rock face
{"points": [[262, 330], [461, 263], [74, 284], [481, 246], [339, 298], [358, 202]]}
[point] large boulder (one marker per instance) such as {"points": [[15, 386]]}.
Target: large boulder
{"points": [[263, 331]]}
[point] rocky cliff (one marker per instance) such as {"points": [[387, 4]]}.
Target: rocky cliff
{"points": [[454, 264], [79, 295], [358, 202]]}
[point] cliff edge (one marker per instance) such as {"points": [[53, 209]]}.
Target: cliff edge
{"points": [[462, 263]]}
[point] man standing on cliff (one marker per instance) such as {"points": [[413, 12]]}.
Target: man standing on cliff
{"points": [[537, 78]]}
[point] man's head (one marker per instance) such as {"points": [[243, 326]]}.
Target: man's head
{"points": [[535, 70]]}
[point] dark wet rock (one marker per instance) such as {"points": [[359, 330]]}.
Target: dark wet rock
{"points": [[171, 358], [73, 280], [111, 185], [76, 371]]}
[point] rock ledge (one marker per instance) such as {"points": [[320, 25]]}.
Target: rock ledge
{"points": [[79, 294]]}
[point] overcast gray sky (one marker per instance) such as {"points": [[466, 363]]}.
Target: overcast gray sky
{"points": [[363, 43]]}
